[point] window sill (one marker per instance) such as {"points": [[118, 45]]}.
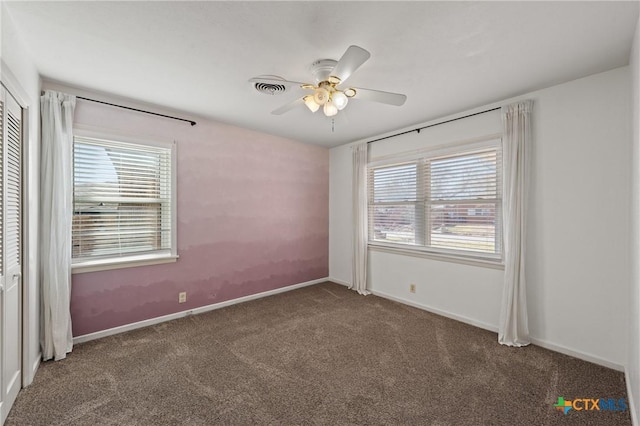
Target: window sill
{"points": [[129, 262], [416, 252]]}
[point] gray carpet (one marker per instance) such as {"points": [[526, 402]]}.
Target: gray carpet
{"points": [[317, 355]]}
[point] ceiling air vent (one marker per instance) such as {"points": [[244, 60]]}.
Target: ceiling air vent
{"points": [[270, 88]]}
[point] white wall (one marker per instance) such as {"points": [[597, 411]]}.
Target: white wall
{"points": [[578, 263], [578, 254], [633, 362], [20, 73], [340, 214]]}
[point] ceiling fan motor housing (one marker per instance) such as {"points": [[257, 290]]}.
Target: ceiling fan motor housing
{"points": [[321, 69]]}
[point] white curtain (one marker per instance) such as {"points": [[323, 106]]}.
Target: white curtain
{"points": [[516, 121], [56, 187], [360, 227]]}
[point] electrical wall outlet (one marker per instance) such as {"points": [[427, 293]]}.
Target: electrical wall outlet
{"points": [[182, 297], [412, 288]]}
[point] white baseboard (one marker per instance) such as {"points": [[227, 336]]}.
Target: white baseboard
{"points": [[28, 376], [34, 367], [341, 282], [576, 354], [436, 311], [630, 399], [538, 342], [194, 311]]}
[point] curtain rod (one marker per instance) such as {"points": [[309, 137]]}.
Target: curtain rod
{"points": [[432, 125], [193, 123]]}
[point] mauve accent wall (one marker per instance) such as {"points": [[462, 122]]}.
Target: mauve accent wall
{"points": [[252, 217]]}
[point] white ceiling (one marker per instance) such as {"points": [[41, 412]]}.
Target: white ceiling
{"points": [[196, 57]]}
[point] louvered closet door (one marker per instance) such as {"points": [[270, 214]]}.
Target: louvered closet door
{"points": [[10, 251]]}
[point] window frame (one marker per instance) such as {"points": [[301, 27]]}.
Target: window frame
{"points": [[133, 260], [422, 238]]}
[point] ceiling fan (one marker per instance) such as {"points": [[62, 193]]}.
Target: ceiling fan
{"points": [[329, 74]]}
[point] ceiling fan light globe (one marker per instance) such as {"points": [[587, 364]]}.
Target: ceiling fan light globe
{"points": [[330, 109], [339, 99], [310, 103], [321, 96]]}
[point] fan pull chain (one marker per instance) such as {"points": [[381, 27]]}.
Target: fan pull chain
{"points": [[333, 125]]}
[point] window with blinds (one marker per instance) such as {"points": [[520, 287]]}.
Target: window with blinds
{"points": [[395, 208], [123, 200], [450, 203]]}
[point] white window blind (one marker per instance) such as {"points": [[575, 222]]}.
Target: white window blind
{"points": [[122, 199], [464, 201], [395, 203], [446, 203]]}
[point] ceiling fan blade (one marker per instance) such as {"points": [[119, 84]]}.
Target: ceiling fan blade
{"points": [[389, 98], [276, 81], [289, 106], [352, 59]]}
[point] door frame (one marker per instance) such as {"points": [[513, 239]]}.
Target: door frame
{"points": [[29, 283]]}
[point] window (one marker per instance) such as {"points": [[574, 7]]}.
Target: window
{"points": [[396, 204], [444, 202], [124, 203]]}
